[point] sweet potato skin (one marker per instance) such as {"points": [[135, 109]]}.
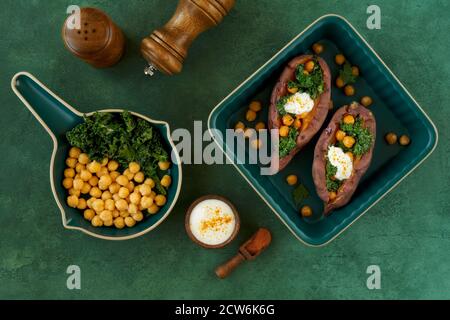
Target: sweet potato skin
{"points": [[318, 114], [360, 166]]}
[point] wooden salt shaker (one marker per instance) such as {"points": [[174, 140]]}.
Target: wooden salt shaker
{"points": [[99, 42], [166, 48]]}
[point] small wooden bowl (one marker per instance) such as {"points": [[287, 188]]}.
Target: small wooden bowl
{"points": [[188, 217]]}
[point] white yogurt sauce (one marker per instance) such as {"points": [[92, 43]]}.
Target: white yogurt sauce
{"points": [[212, 222]]}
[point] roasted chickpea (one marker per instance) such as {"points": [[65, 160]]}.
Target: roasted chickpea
{"points": [[74, 152], [129, 222], [349, 119], [256, 144], [114, 187], [348, 141], [90, 201], [106, 195], [166, 181], [74, 192], [133, 208], [260, 126], [250, 115], [135, 198], [291, 179], [108, 223], [85, 175], [94, 167], [240, 126], [152, 195], [72, 201], [284, 131], [292, 89], [98, 205], [164, 165], [340, 135], [340, 83], [287, 120], [339, 59], [110, 205], [69, 173], [122, 180], [116, 213], [130, 186], [113, 165], [146, 202], [255, 106], [81, 204], [153, 209], [96, 221], [121, 205], [93, 181], [306, 211], [355, 71], [391, 138], [71, 162], [366, 101], [106, 215], [349, 90], [95, 192], [297, 123], [86, 188], [150, 182], [89, 214], [145, 189], [123, 192], [309, 66], [138, 216], [116, 197], [104, 162], [134, 167], [78, 184], [67, 183], [83, 158], [104, 182], [127, 173], [332, 195], [119, 223], [404, 140], [317, 48], [160, 200]]}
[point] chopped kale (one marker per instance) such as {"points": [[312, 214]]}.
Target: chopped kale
{"points": [[362, 136], [332, 183], [299, 194], [288, 143], [311, 83], [124, 138], [346, 74]]}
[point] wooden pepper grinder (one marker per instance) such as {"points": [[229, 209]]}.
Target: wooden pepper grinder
{"points": [[99, 42], [166, 48]]}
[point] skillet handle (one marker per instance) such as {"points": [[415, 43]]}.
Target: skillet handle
{"points": [[55, 115]]}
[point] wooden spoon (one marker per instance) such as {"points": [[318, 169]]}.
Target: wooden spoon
{"points": [[248, 251]]}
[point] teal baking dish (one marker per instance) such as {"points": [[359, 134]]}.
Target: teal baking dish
{"points": [[394, 108]]}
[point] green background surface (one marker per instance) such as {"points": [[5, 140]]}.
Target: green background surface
{"points": [[407, 234]]}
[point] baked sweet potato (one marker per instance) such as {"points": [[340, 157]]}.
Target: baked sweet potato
{"points": [[360, 162], [314, 120]]}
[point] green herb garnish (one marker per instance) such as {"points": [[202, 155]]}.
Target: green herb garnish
{"points": [[311, 83], [332, 183], [362, 136], [346, 74], [299, 194], [288, 143], [280, 105], [124, 138]]}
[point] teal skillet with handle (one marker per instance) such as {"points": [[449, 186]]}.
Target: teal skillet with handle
{"points": [[58, 117]]}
